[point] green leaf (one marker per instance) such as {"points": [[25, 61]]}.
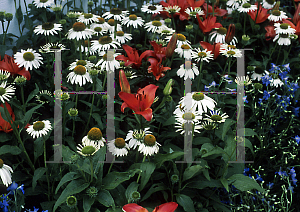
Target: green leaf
{"points": [[114, 210], [38, 147], [246, 132], [170, 121], [113, 179], [66, 178], [191, 172], [74, 187], [99, 85], [131, 188], [105, 198], [2, 50], [38, 173], [29, 113], [33, 93], [230, 149], [87, 203], [215, 151], [14, 150], [226, 127], [245, 183], [147, 170], [161, 158], [201, 184], [186, 202], [19, 15], [3, 114], [5, 137], [249, 145], [154, 188], [97, 118], [224, 183], [201, 140]]}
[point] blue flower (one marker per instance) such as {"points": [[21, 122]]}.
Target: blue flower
{"points": [[34, 209], [266, 79], [206, 88], [286, 66], [4, 204], [274, 68], [297, 139], [258, 178], [281, 173], [270, 185], [245, 171], [266, 95], [296, 111], [245, 99], [12, 187], [213, 83], [293, 87], [291, 188]]}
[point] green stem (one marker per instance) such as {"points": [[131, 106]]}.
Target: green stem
{"points": [[23, 101], [138, 120], [245, 23], [229, 64], [200, 75], [92, 169], [77, 88], [173, 20], [278, 55], [81, 172], [111, 165], [91, 110], [47, 172], [104, 81], [287, 55], [161, 104], [273, 51], [137, 181]]}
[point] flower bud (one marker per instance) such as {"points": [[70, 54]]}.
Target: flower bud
{"points": [[124, 84], [189, 28], [276, 6], [73, 112], [92, 58], [245, 38], [90, 3], [250, 68], [168, 21], [258, 86], [63, 21], [8, 16], [168, 88], [171, 45], [2, 15], [230, 33]]}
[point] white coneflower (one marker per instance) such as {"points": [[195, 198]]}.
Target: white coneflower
{"points": [[277, 15], [42, 96], [79, 32], [164, 30], [88, 148], [39, 128], [136, 137], [87, 64], [28, 58], [104, 43], [47, 29], [216, 117], [152, 9], [183, 115], [283, 39], [5, 173], [284, 28], [52, 47], [153, 26], [247, 7], [194, 11], [94, 135], [149, 146], [230, 51], [122, 37], [199, 100], [181, 39], [79, 75], [108, 65], [102, 23], [172, 9], [116, 14], [88, 18], [43, 3], [202, 55], [188, 72], [111, 28], [133, 20], [184, 51], [275, 80], [243, 81], [4, 75], [269, 4], [98, 30], [118, 147], [219, 35], [181, 128]]}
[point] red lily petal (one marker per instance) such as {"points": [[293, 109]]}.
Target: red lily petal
{"points": [[166, 207], [4, 125], [149, 95], [147, 114], [9, 65], [134, 208]]}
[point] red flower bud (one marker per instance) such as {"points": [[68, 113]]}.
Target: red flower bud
{"points": [[171, 45], [124, 84], [230, 33]]}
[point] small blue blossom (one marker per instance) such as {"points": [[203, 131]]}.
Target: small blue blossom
{"points": [[291, 188], [245, 171], [245, 99], [274, 68], [266, 79], [281, 173], [270, 185], [266, 95], [297, 139], [286, 66], [296, 111], [258, 178], [213, 83], [260, 101], [293, 87], [206, 88], [12, 187]]}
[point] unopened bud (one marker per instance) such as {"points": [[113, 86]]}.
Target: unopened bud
{"points": [[124, 84], [230, 33], [92, 58], [8, 16], [90, 3], [168, 88], [2, 15], [168, 21], [171, 45], [245, 38], [63, 21]]}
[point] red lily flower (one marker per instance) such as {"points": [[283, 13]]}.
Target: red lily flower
{"points": [[215, 48], [270, 32], [133, 57], [140, 103], [217, 12], [8, 64], [193, 3], [182, 4], [124, 84], [4, 125], [296, 17], [157, 68], [159, 51], [262, 14], [208, 24], [166, 207]]}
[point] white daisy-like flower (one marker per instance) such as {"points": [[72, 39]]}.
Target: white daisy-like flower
{"points": [[39, 128], [88, 148], [256, 76], [133, 20], [243, 81], [216, 117], [181, 128], [122, 37], [172, 9], [43, 3], [111, 28], [108, 65], [41, 97], [152, 9], [247, 7], [149, 146], [184, 51], [153, 26], [56, 7], [275, 80], [208, 125], [118, 147], [94, 135], [184, 115], [268, 4], [88, 18], [5, 173], [28, 59], [188, 73], [86, 47], [230, 51], [136, 137], [277, 15], [47, 29], [6, 92], [102, 23], [104, 43], [87, 64], [200, 55], [116, 13], [282, 39], [181, 39], [4, 75], [79, 32], [194, 11], [284, 28], [164, 30], [52, 47], [79, 75], [219, 35], [73, 15], [199, 100], [129, 74]]}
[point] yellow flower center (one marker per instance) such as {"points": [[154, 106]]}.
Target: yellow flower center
{"points": [[39, 125], [181, 37], [105, 40], [88, 150], [86, 43], [47, 26], [198, 96], [216, 118], [78, 26], [80, 70], [185, 46], [1, 163], [101, 20], [156, 23], [120, 143], [188, 116], [71, 201], [149, 140], [81, 62], [230, 52], [98, 29], [87, 15], [28, 56], [151, 7], [94, 134], [231, 46], [111, 22], [276, 12], [202, 54], [284, 35], [133, 17], [2, 91], [222, 30], [120, 33], [116, 11]]}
